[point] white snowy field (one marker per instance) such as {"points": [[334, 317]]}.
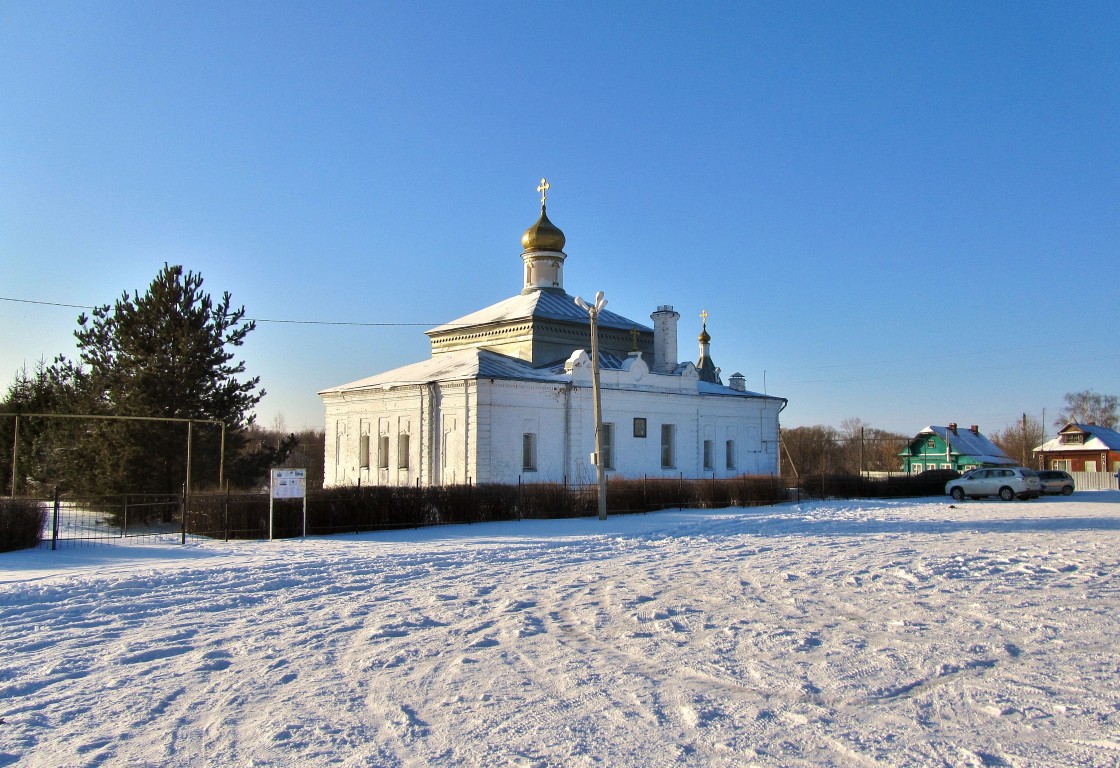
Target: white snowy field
{"points": [[886, 633]]}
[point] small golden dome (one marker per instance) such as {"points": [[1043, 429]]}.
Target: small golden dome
{"points": [[704, 337], [543, 236]]}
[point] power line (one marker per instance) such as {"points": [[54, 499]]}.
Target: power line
{"points": [[249, 319], [855, 379], [43, 303]]}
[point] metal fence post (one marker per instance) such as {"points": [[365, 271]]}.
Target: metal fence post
{"points": [[124, 518], [54, 525], [183, 518]]}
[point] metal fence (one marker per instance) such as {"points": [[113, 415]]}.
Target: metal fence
{"points": [[145, 518], [1095, 481], [75, 520], [101, 519]]}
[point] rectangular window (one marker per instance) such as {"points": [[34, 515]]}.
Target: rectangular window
{"points": [[339, 441], [639, 427], [606, 444], [363, 452], [731, 454], [402, 451], [667, 458], [708, 460], [529, 452], [383, 452]]}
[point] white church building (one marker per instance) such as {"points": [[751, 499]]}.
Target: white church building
{"points": [[506, 397]]}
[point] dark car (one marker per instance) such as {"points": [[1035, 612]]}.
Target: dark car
{"points": [[1055, 481]]}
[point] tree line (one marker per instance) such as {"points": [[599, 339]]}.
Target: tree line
{"points": [[858, 447], [853, 448]]}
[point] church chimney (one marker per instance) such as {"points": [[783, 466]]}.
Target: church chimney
{"points": [[953, 427], [664, 339], [738, 382]]}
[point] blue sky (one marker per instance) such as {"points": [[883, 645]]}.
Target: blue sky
{"points": [[906, 213]]}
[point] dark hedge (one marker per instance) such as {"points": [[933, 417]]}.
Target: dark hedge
{"points": [[372, 508], [21, 523]]}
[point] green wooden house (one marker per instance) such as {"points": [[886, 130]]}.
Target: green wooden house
{"points": [[952, 448]]}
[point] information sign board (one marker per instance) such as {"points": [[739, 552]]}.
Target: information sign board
{"points": [[289, 483]]}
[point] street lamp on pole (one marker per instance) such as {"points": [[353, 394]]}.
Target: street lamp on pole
{"points": [[593, 312]]}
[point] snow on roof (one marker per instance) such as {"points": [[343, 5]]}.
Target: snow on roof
{"points": [[482, 363], [965, 442], [550, 305], [1109, 438], [1103, 439], [708, 388], [453, 366]]}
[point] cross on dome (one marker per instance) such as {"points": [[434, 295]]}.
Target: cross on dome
{"points": [[704, 316], [543, 189]]}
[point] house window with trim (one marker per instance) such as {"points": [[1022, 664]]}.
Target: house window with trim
{"points": [[668, 460], [363, 451], [606, 446], [639, 426], [402, 451], [529, 452], [709, 462], [730, 454]]}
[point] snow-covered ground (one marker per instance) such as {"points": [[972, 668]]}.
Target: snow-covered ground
{"points": [[900, 633]]}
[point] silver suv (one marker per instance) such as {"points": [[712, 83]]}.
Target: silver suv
{"points": [[1006, 482]]}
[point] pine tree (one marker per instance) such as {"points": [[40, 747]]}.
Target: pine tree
{"points": [[50, 451], [166, 353]]}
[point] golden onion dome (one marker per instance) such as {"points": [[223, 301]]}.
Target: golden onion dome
{"points": [[704, 337], [543, 236]]}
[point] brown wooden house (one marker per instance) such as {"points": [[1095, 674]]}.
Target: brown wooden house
{"points": [[1081, 448]]}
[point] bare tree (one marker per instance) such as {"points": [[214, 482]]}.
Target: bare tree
{"points": [[871, 449], [1020, 439], [279, 427], [812, 450], [1089, 407]]}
